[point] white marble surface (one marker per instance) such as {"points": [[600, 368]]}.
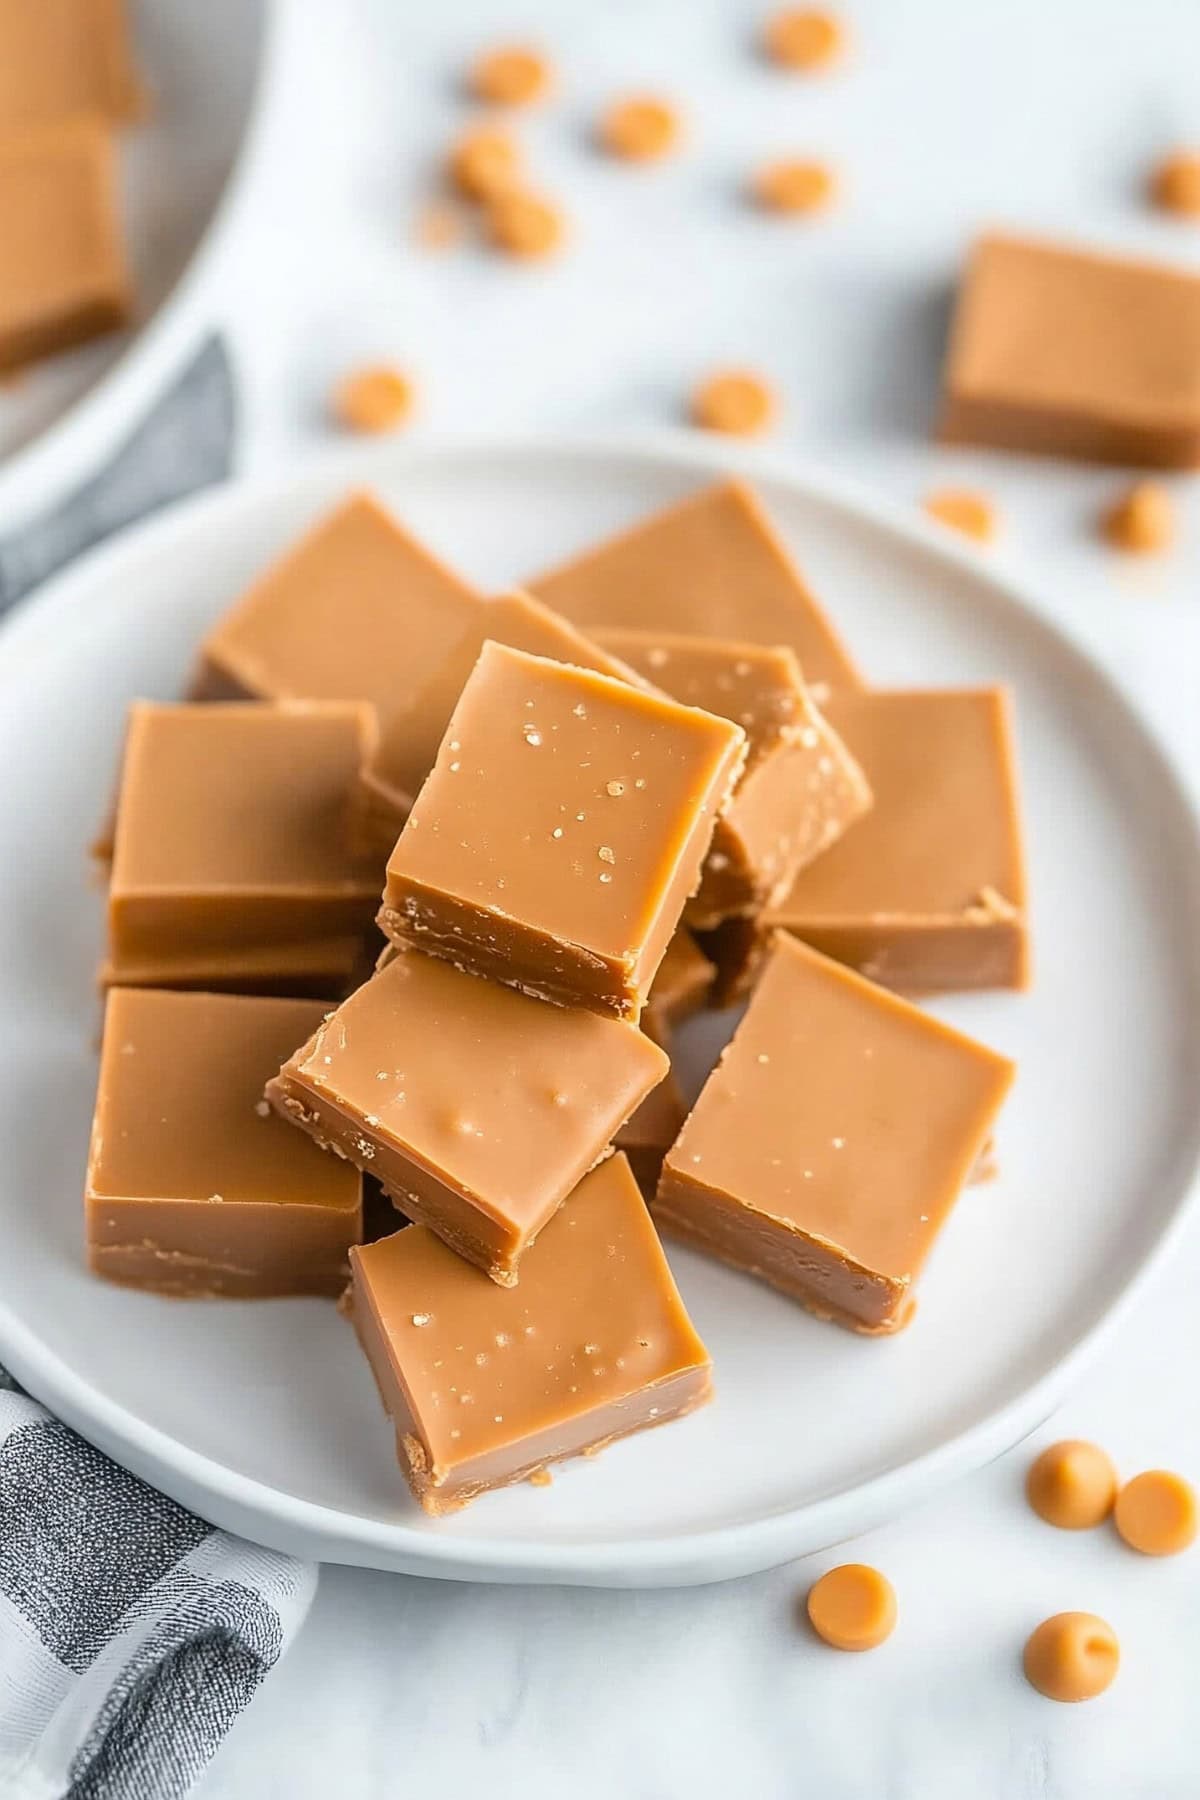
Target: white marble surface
{"points": [[949, 115]]}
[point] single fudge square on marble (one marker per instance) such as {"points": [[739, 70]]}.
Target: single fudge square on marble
{"points": [[477, 1107], [194, 1187], [800, 790], [408, 744], [234, 861], [927, 893], [486, 1385], [63, 272], [561, 831], [830, 1143], [358, 609], [712, 565], [1072, 353]]}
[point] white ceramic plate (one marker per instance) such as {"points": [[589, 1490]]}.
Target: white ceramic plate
{"points": [[207, 69], [264, 1416]]}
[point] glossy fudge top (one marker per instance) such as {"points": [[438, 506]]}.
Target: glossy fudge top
{"points": [[1042, 326], [564, 800], [843, 1111], [711, 566], [357, 610], [409, 742], [942, 841], [499, 1095], [180, 1113], [596, 1318], [62, 58], [240, 797]]}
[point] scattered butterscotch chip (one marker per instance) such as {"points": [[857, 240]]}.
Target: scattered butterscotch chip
{"points": [[640, 129], [963, 510], [373, 400], [512, 75], [803, 37], [735, 401], [1141, 521], [484, 162], [1072, 1485], [1175, 184], [1073, 1656], [524, 224], [852, 1607], [438, 227], [793, 185], [1156, 1513]]}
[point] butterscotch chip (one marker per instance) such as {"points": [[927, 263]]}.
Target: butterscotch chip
{"points": [[1072, 1485], [1156, 1513], [793, 186], [1141, 521], [1175, 184], [373, 400], [804, 37], [523, 224], [512, 75], [853, 1607], [640, 129], [484, 162], [1073, 1656], [736, 402], [962, 510]]}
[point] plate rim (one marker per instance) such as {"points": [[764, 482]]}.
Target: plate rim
{"points": [[255, 1509], [53, 462]]}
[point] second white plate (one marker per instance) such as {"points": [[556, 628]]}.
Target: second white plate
{"points": [[264, 1416]]}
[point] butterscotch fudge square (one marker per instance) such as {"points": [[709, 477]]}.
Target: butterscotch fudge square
{"points": [[60, 59], [487, 1385], [800, 790], [830, 1142], [476, 1107], [560, 832], [713, 565], [234, 861], [194, 1187], [358, 609]]}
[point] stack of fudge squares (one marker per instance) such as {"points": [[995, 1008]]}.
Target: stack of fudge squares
{"points": [[649, 785]]}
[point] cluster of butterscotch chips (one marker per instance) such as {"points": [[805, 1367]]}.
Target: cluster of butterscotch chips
{"points": [[1074, 1486]]}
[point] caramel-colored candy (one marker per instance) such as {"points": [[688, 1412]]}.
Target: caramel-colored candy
{"points": [[512, 75], [373, 400], [1156, 1513], [734, 401], [853, 1607], [1142, 521], [524, 224], [1175, 184], [1072, 1485], [484, 162], [803, 37], [793, 186], [1073, 1656], [641, 129], [972, 514]]}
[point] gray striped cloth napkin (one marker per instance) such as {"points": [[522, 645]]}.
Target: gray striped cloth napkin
{"points": [[132, 1633]]}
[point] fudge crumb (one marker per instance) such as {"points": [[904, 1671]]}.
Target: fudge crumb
{"points": [[734, 401], [793, 186], [1175, 184], [965, 511], [640, 129], [1142, 521], [541, 1478], [512, 75], [263, 1108]]}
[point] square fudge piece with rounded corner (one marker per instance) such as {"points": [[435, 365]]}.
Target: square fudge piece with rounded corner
{"points": [[485, 1386], [561, 831], [476, 1107], [829, 1144], [194, 1187]]}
